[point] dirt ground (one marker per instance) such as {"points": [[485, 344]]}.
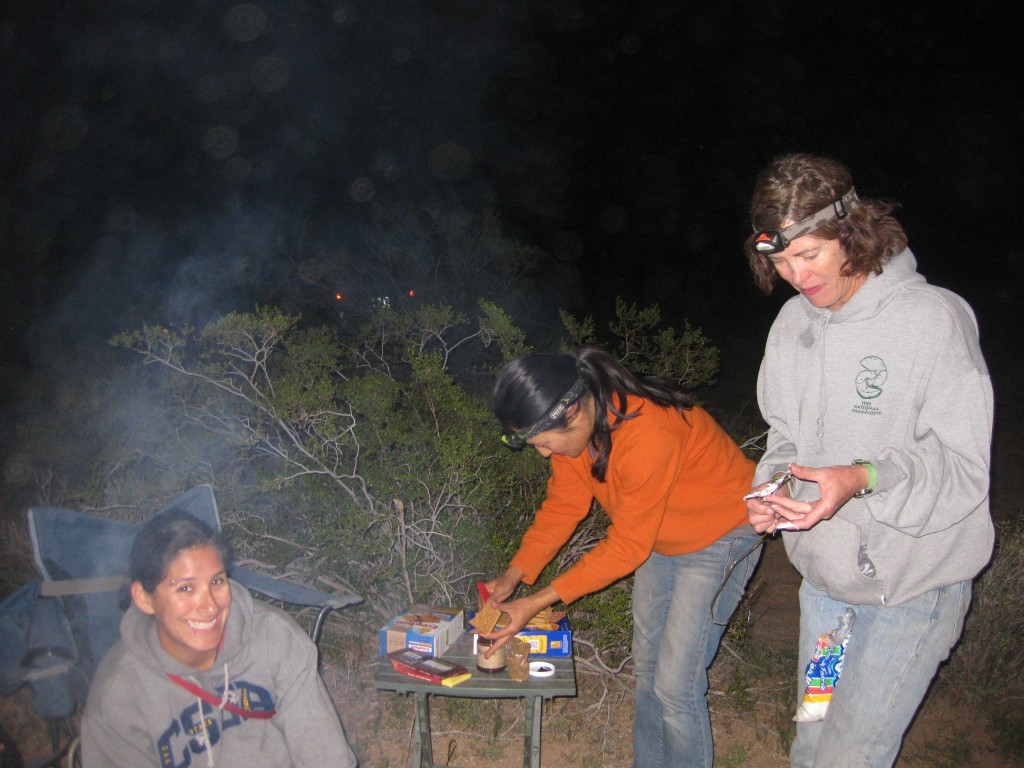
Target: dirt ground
{"points": [[594, 729]]}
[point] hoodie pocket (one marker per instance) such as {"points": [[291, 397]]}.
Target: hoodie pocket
{"points": [[829, 556]]}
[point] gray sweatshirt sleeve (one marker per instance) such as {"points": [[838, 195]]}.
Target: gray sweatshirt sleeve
{"points": [[940, 475], [113, 734], [306, 714]]}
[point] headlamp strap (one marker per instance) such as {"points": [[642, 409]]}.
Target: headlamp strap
{"points": [[845, 204], [553, 416], [839, 209], [770, 241]]}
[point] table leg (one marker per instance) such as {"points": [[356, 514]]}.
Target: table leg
{"points": [[422, 753], [532, 719]]}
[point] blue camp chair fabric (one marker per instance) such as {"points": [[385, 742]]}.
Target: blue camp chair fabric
{"points": [[15, 616], [74, 546], [50, 659], [55, 631]]}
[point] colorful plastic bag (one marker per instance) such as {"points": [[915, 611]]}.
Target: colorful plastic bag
{"points": [[823, 670]]}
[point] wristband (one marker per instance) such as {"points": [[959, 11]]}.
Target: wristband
{"points": [[872, 479]]}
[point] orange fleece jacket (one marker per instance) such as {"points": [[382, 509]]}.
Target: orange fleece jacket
{"points": [[673, 486]]}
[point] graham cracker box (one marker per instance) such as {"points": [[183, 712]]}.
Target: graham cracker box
{"points": [[551, 639], [423, 628]]}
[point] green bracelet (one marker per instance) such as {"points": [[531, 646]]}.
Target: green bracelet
{"points": [[872, 479]]}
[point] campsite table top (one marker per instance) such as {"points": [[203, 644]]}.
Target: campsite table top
{"points": [[481, 685]]}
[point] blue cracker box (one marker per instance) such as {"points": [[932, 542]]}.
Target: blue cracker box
{"points": [[552, 640], [424, 628]]}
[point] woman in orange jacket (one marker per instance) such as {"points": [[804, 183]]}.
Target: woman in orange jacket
{"points": [[672, 484]]}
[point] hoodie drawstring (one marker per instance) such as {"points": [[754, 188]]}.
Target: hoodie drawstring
{"points": [[192, 685], [202, 716], [227, 693], [206, 733]]}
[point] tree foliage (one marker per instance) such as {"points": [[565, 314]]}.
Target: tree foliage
{"points": [[388, 467], [365, 460], [637, 340]]}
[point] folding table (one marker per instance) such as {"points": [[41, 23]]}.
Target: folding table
{"points": [[482, 685]]}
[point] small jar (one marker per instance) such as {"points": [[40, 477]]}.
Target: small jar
{"points": [[494, 664]]}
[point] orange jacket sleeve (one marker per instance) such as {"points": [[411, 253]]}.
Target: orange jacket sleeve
{"points": [[673, 486]]}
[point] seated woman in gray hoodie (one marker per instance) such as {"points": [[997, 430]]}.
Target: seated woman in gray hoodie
{"points": [[203, 674]]}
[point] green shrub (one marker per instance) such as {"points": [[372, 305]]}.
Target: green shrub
{"points": [[366, 460], [367, 464], [637, 340]]}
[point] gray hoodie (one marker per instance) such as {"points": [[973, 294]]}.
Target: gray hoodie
{"points": [[136, 717], [895, 377]]}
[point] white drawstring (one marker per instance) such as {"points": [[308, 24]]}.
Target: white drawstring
{"points": [[202, 716], [206, 733], [227, 693]]}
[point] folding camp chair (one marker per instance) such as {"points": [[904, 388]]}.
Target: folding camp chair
{"points": [[55, 631]]}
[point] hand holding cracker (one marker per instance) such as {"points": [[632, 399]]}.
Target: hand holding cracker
{"points": [[485, 619], [488, 615]]}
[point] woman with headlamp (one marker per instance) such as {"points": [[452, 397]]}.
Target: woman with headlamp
{"points": [[671, 481], [879, 402]]}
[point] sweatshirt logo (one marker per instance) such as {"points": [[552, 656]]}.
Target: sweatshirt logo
{"points": [[201, 727], [871, 377]]}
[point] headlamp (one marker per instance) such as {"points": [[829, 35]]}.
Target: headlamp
{"points": [[517, 440], [769, 241]]}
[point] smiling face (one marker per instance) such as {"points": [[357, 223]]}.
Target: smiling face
{"points": [[191, 606], [814, 267]]}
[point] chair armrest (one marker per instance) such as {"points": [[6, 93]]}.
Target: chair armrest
{"points": [[289, 592]]}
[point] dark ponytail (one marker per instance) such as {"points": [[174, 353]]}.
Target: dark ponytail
{"points": [[610, 382]]}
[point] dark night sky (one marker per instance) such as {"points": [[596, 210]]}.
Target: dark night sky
{"points": [[167, 160]]}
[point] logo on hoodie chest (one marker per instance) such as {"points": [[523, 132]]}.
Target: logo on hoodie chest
{"points": [[201, 727], [869, 383]]}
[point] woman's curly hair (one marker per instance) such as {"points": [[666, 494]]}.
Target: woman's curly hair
{"points": [[793, 187]]}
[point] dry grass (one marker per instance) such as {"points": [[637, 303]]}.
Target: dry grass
{"points": [[989, 660], [16, 566]]}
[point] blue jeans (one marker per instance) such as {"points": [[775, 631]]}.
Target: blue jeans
{"points": [[887, 667], [674, 643]]}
